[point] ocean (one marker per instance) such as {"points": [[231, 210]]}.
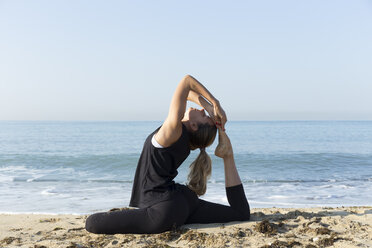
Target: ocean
{"points": [[84, 167]]}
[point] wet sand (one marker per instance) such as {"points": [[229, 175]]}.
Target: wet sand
{"points": [[268, 227]]}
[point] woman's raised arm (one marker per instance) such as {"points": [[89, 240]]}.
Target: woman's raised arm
{"points": [[178, 104], [172, 127], [213, 107]]}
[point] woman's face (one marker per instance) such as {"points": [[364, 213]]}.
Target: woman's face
{"points": [[199, 116]]}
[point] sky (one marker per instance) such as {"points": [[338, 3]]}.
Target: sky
{"points": [[122, 60]]}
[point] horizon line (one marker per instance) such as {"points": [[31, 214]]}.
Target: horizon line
{"points": [[272, 120]]}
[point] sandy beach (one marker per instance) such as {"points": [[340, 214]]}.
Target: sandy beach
{"points": [[268, 227]]}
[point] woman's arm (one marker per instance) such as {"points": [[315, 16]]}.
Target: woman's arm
{"points": [[224, 151], [215, 111], [172, 127], [198, 88], [200, 100], [219, 114]]}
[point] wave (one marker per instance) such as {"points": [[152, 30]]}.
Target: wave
{"points": [[73, 180], [53, 191], [307, 181], [91, 161], [83, 158], [214, 181], [43, 213]]}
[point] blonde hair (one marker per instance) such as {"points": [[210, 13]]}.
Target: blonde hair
{"points": [[201, 168]]}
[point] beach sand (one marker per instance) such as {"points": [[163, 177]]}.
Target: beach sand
{"points": [[268, 227]]}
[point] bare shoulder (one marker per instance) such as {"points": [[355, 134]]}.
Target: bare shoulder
{"points": [[168, 133]]}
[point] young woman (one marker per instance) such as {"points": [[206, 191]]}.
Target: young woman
{"points": [[162, 204]]}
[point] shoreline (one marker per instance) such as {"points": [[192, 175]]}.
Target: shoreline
{"points": [[226, 203], [268, 227], [255, 208]]}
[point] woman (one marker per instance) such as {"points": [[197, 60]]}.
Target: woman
{"points": [[163, 204]]}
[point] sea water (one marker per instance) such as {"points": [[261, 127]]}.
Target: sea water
{"points": [[85, 167]]}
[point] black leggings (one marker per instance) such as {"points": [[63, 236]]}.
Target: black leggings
{"points": [[183, 208]]}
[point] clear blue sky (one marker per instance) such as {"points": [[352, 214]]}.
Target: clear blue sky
{"points": [[121, 60]]}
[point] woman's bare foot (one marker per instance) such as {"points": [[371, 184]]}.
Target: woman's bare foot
{"points": [[224, 148]]}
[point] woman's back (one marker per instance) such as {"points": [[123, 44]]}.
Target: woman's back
{"points": [[156, 169]]}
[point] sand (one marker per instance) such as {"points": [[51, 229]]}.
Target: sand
{"points": [[268, 227]]}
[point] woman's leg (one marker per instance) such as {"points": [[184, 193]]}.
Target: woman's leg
{"points": [[158, 218], [208, 212], [224, 150]]}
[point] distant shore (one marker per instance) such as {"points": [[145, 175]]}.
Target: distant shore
{"points": [[268, 227]]}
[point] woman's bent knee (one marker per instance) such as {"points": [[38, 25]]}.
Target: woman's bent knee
{"points": [[246, 215], [95, 223]]}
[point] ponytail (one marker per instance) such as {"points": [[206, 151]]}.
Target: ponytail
{"points": [[200, 171]]}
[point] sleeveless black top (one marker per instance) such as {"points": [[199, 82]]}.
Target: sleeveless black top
{"points": [[156, 169]]}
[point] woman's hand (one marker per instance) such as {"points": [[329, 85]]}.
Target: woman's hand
{"points": [[219, 115]]}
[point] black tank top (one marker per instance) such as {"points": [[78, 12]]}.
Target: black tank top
{"points": [[156, 169]]}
